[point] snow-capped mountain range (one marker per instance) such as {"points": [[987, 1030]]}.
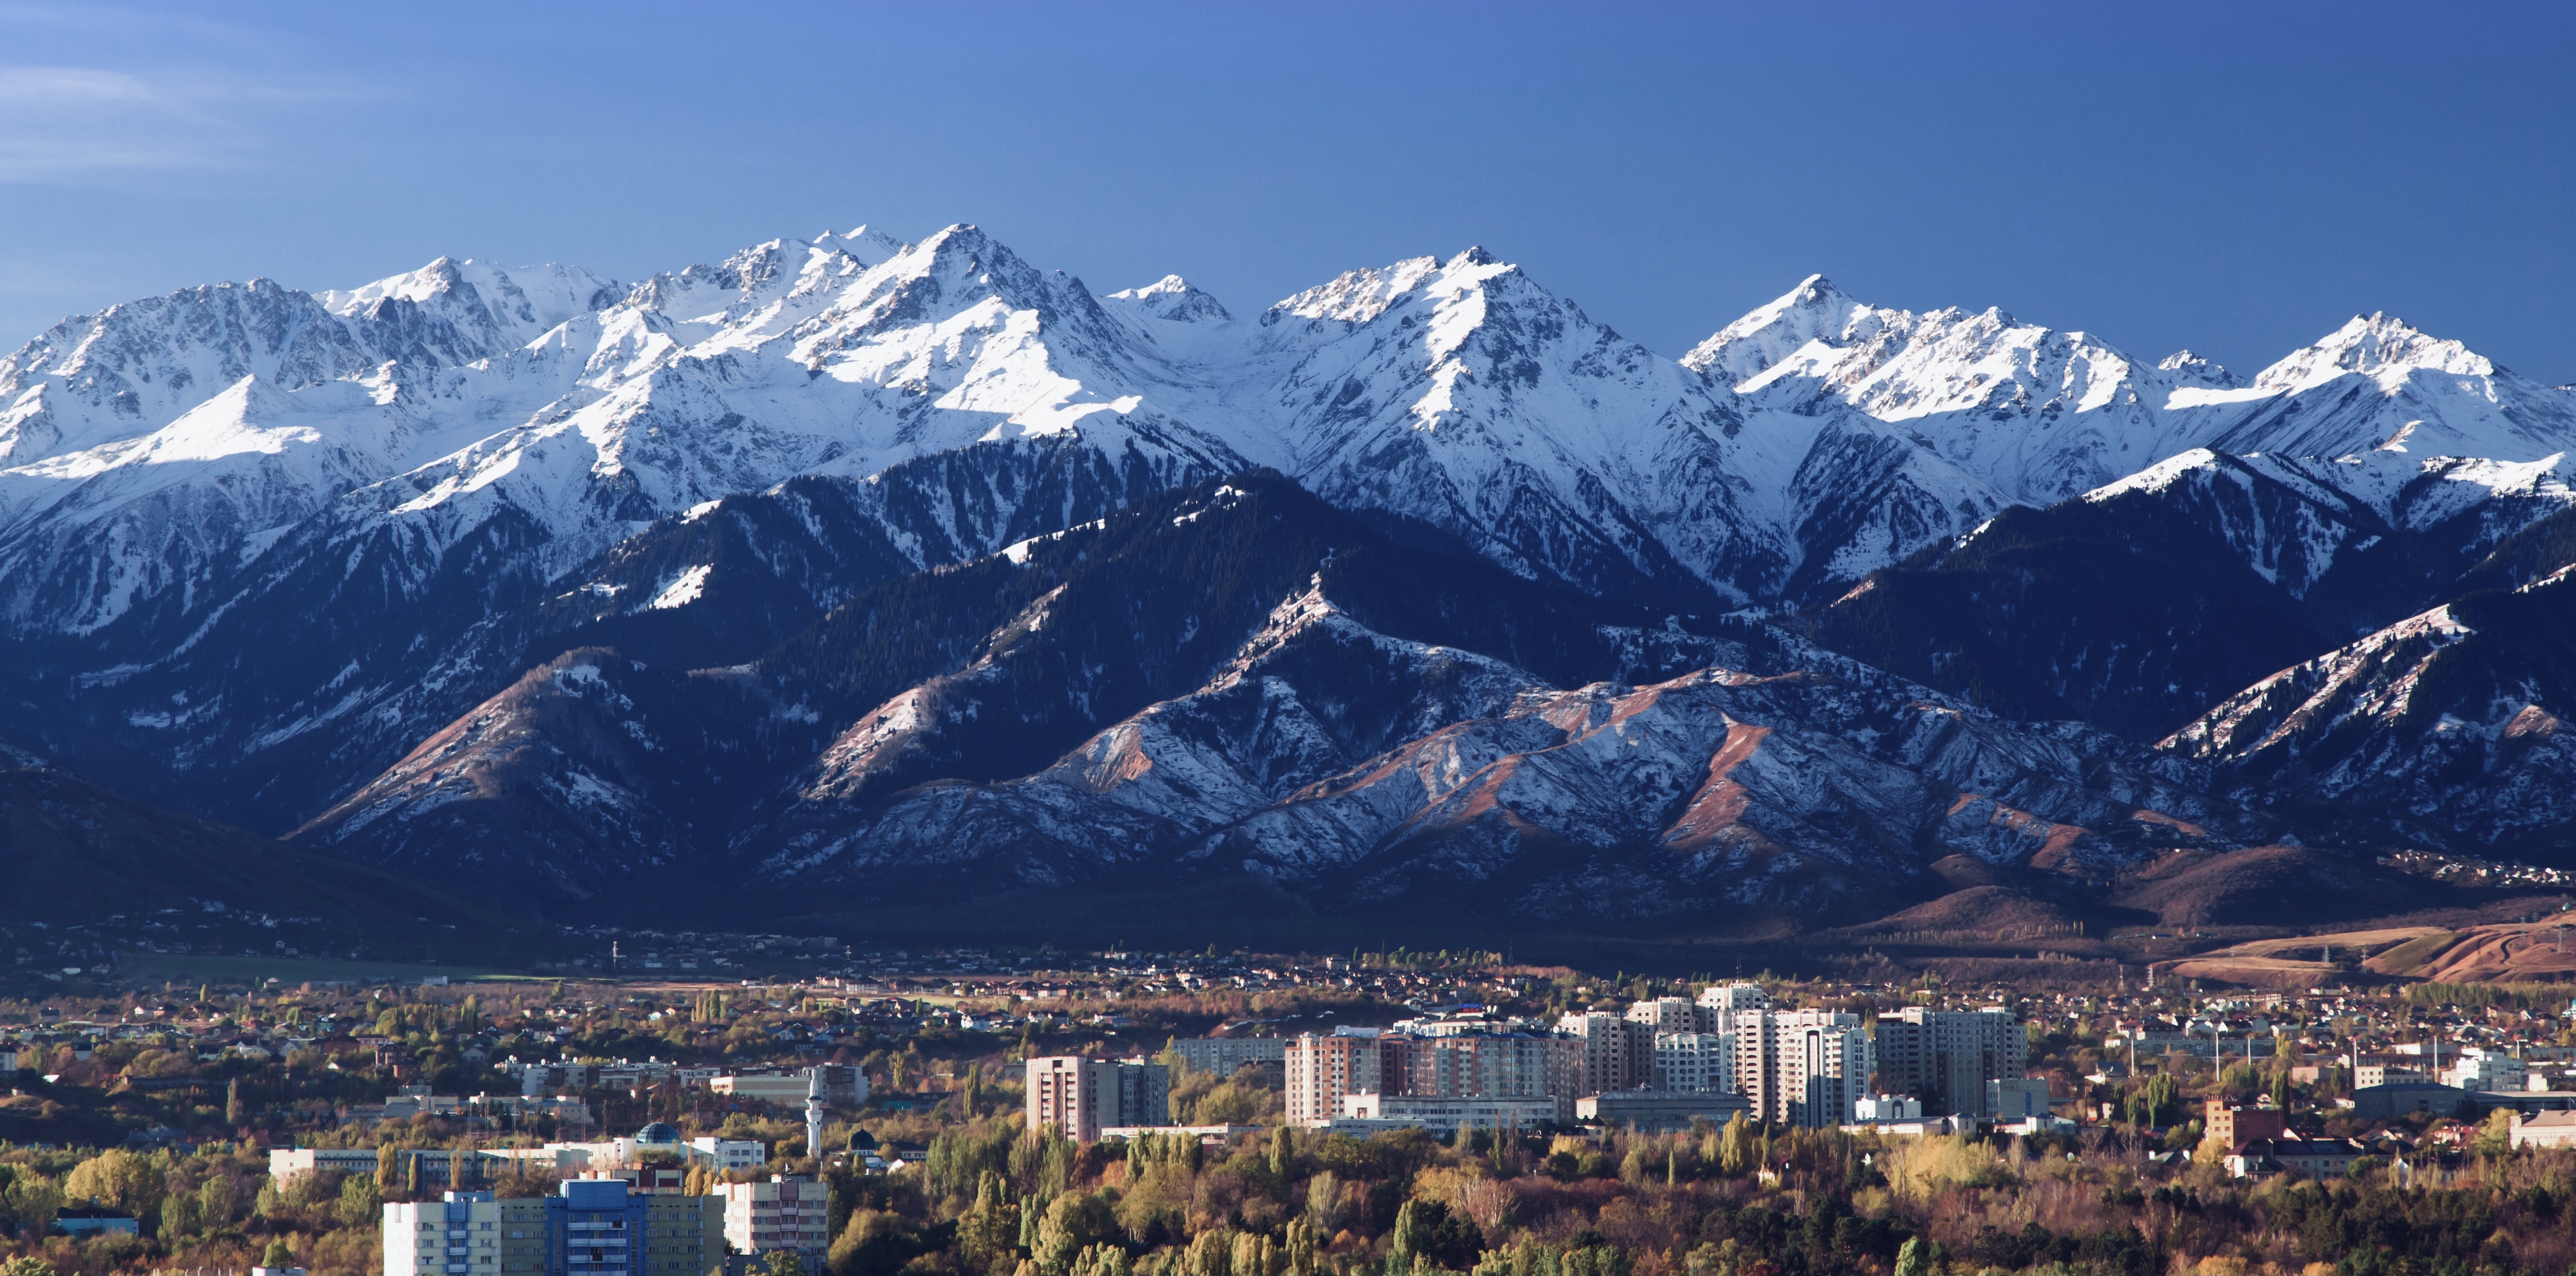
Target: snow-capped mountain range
{"points": [[260, 547]]}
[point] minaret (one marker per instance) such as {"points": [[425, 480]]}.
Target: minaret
{"points": [[814, 1115]]}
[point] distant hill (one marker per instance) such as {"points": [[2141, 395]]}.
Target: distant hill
{"points": [[90, 870]]}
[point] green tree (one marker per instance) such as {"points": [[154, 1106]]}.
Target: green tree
{"points": [[1407, 1240], [1735, 1149], [118, 1179], [277, 1255], [2495, 1138], [1211, 1253], [218, 1201], [234, 1113], [1074, 1222], [388, 1168], [782, 1262], [990, 1229], [360, 1203], [873, 1243]]}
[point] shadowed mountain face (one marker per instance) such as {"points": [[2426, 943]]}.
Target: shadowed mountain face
{"points": [[846, 567], [78, 854], [1237, 680]]}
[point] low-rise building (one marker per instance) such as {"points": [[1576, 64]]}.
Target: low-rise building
{"points": [[2015, 1099], [842, 1085], [2238, 1126], [2391, 1101], [94, 1220], [1878, 1108], [2312, 1158], [1445, 1114], [2545, 1130], [1653, 1110]]}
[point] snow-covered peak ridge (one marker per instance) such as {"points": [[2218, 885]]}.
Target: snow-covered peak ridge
{"points": [[1359, 296], [1815, 310], [1172, 298], [763, 279], [863, 244], [2377, 345], [2189, 367], [514, 306]]}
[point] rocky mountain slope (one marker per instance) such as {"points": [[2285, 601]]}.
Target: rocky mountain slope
{"points": [[1238, 679], [849, 562]]}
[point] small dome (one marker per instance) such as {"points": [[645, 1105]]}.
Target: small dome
{"points": [[658, 1132]]}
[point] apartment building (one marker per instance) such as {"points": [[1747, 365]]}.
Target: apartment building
{"points": [[590, 1227], [1695, 1062], [457, 1235], [784, 1212], [602, 1227], [1530, 1072], [1946, 1057], [1801, 1067], [1224, 1056], [1728, 999], [1081, 1097], [2486, 1070], [2238, 1126], [1322, 1070], [1648, 1021], [1608, 1061]]}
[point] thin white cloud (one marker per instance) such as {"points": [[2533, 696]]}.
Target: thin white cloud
{"points": [[64, 86], [164, 108], [63, 121]]}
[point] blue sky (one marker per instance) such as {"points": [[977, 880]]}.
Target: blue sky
{"points": [[2238, 178]]}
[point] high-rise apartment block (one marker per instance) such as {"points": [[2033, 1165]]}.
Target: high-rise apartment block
{"points": [[1695, 1061], [1081, 1097], [459, 1235], [1608, 1059], [1801, 1067], [781, 1212], [1323, 1071], [1946, 1057]]}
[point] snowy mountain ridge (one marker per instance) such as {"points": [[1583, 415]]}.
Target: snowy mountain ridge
{"points": [[447, 470]]}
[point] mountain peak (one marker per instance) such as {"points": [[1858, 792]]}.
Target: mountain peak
{"points": [[2376, 345], [2199, 369], [1769, 333], [862, 243], [1174, 298]]}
